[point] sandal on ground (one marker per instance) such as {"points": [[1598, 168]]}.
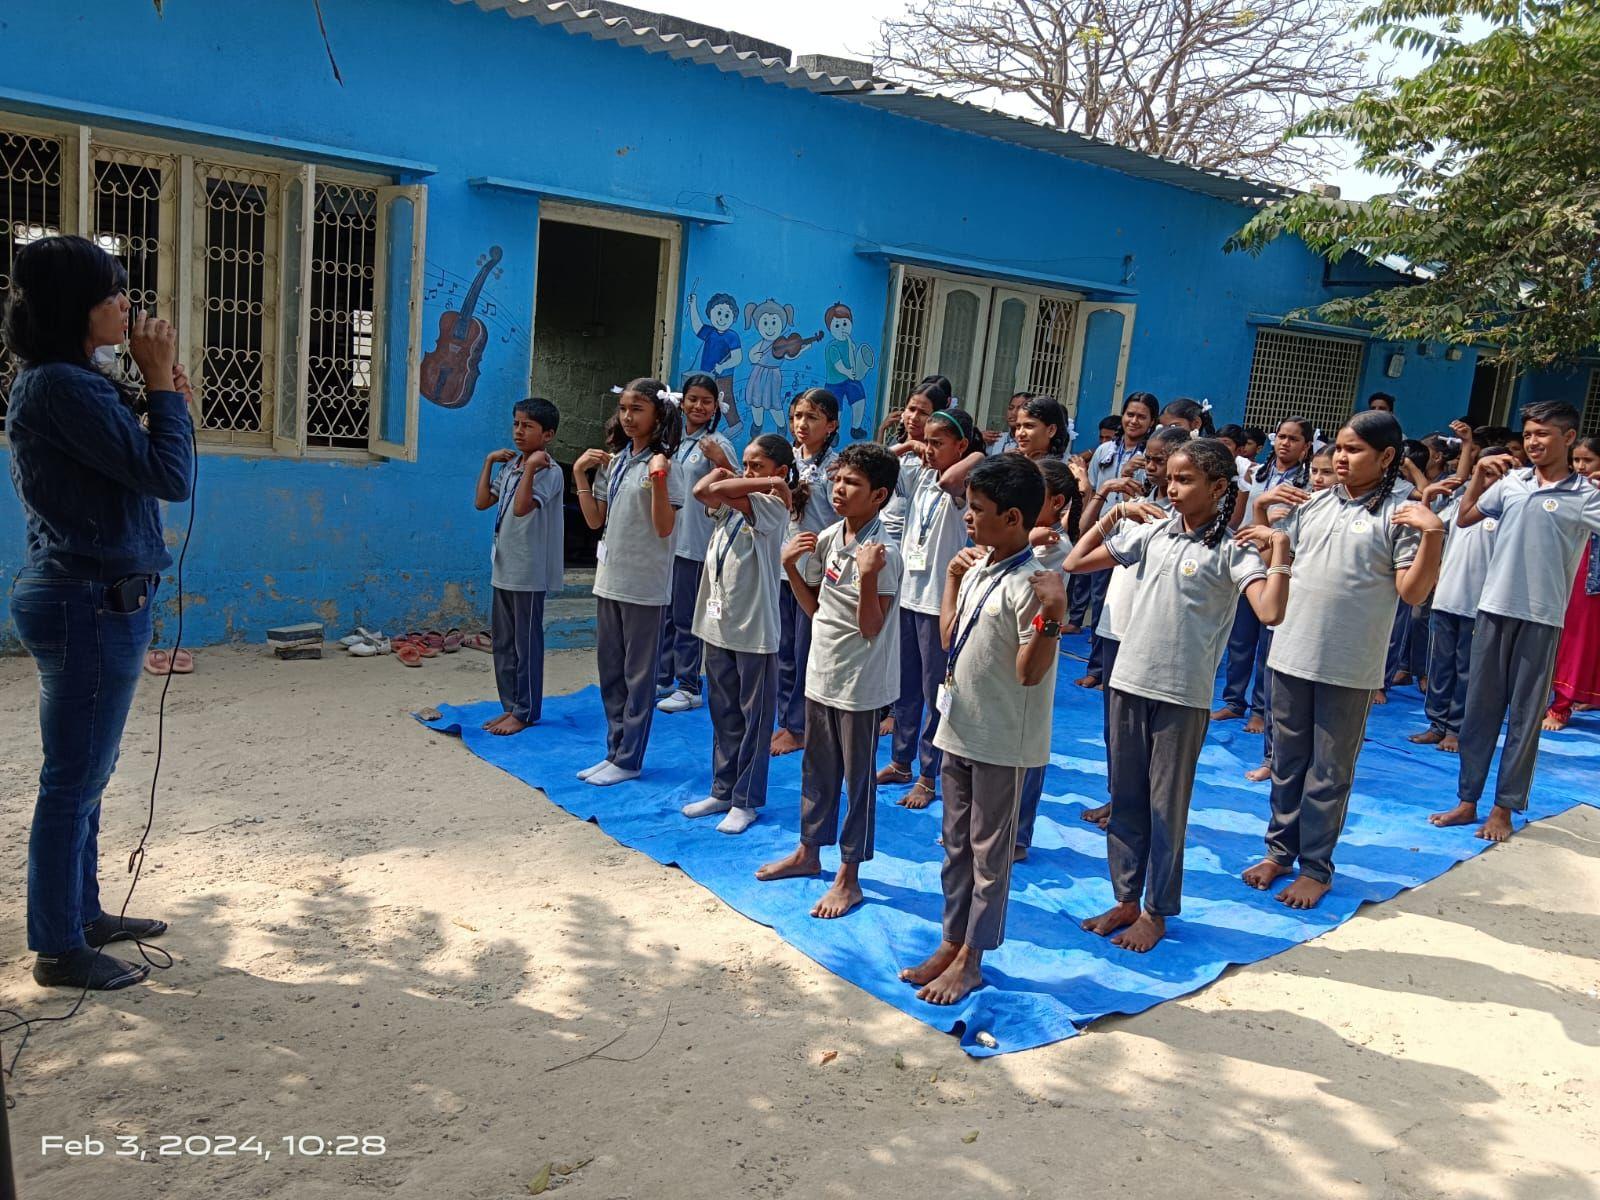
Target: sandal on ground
{"points": [[371, 649], [451, 641], [424, 647], [479, 641], [360, 635], [408, 652], [158, 662], [182, 662]]}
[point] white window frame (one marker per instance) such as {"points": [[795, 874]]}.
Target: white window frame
{"points": [[285, 332]]}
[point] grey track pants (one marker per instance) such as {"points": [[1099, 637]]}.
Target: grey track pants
{"points": [[980, 838], [1151, 756], [840, 755], [1316, 735], [1512, 663]]}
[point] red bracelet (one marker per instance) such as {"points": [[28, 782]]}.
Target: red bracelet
{"points": [[658, 474]]}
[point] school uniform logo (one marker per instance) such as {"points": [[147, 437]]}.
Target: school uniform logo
{"points": [[1490, 524], [1189, 568], [1550, 505], [1360, 525]]}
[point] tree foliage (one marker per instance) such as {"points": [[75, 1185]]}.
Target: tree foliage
{"points": [[1493, 150], [1214, 83]]}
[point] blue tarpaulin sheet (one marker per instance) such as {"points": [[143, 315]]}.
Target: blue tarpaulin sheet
{"points": [[1050, 978]]}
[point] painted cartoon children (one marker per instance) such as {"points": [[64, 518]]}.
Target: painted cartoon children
{"points": [[763, 390], [720, 351], [847, 365]]}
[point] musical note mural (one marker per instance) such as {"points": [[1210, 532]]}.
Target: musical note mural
{"points": [[473, 319]]}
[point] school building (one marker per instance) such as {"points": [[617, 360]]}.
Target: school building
{"points": [[507, 197]]}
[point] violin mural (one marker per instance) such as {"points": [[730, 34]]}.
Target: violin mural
{"points": [[450, 370], [763, 390]]}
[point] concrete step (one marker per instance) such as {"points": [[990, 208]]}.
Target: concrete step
{"points": [[569, 617]]}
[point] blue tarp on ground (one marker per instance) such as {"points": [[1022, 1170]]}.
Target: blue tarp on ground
{"points": [[1050, 978]]}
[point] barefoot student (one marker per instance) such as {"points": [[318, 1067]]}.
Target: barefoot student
{"points": [[1001, 624], [736, 615], [1546, 512], [814, 425], [1577, 674], [935, 533], [702, 449], [1117, 462], [1357, 547], [632, 491], [846, 579], [525, 564], [1187, 577]]}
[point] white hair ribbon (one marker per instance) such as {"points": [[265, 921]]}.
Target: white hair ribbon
{"points": [[1072, 431], [668, 397], [1205, 406]]}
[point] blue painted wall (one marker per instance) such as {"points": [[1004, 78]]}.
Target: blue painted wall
{"points": [[805, 178]]}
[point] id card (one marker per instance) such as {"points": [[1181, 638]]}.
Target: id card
{"points": [[916, 558], [714, 606], [600, 554], [942, 701]]}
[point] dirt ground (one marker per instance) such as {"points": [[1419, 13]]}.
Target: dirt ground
{"points": [[378, 935]]}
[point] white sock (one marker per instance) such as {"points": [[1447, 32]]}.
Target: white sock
{"points": [[594, 770], [737, 820], [610, 773], [707, 807]]}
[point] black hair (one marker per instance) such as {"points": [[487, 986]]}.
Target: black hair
{"points": [[1023, 396], [1173, 437], [1381, 431], [1325, 452], [1060, 481], [1591, 444], [1111, 424], [825, 400], [1308, 432], [881, 468], [1484, 434], [1233, 432], [778, 449], [942, 382], [706, 383], [1214, 460], [1552, 412], [1417, 452], [721, 298], [540, 411], [936, 388], [1256, 434], [1381, 396], [55, 282], [668, 433], [1047, 411], [966, 428], [1010, 481], [1185, 409], [1148, 399]]}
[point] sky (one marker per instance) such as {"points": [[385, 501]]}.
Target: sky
{"points": [[850, 28]]}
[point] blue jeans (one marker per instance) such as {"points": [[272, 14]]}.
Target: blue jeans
{"points": [[89, 660], [1247, 647]]}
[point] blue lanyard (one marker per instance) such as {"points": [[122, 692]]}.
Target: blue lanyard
{"points": [[1010, 565], [731, 528], [925, 520], [614, 484], [688, 445], [507, 494]]}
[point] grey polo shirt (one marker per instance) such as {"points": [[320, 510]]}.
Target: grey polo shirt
{"points": [[845, 670], [893, 515], [1113, 606], [635, 564], [992, 718], [1467, 550], [935, 533], [743, 565], [1342, 599], [694, 522], [528, 551], [1543, 528], [1178, 608], [1052, 558]]}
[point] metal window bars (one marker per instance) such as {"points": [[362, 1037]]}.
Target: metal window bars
{"points": [[343, 305], [30, 208], [1303, 375]]}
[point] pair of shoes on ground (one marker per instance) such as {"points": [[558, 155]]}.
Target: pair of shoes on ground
{"points": [[735, 820], [89, 966], [364, 643], [414, 647]]}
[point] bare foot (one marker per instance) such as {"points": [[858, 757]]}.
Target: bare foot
{"points": [[963, 975], [1072, 627], [1583, 708], [1264, 874], [1257, 774], [1100, 816], [1422, 684], [894, 773], [784, 742], [1428, 737], [886, 727], [1118, 916], [1304, 892], [933, 966], [1380, 697], [492, 721], [1400, 679], [1553, 723], [1255, 724], [506, 726], [1226, 714], [1088, 681], [1450, 744], [803, 862], [920, 796], [1461, 814], [839, 899], [1142, 934], [1498, 827]]}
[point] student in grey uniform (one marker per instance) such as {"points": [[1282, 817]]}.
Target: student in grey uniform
{"points": [[1455, 610], [526, 562], [814, 426], [702, 449], [1357, 546], [1188, 575], [1001, 620], [1054, 533], [736, 615], [633, 492], [847, 578], [935, 533], [1111, 463], [1546, 512], [906, 445]]}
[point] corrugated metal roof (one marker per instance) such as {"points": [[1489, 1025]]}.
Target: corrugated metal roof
{"points": [[896, 98]]}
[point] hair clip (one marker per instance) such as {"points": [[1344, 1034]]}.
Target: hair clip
{"points": [[668, 397]]}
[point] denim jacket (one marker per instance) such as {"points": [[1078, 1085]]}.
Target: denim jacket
{"points": [[89, 475], [1591, 585]]}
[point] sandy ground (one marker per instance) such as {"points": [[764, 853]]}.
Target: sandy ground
{"points": [[378, 935]]}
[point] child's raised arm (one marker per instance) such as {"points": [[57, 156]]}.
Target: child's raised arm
{"points": [[583, 473], [485, 497], [720, 488], [1269, 597], [524, 502], [954, 481], [1035, 656], [1414, 582], [796, 548], [1090, 554], [1486, 472], [963, 562], [872, 608], [662, 515]]}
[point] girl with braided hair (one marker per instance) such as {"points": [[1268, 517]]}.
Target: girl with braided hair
{"points": [[1359, 546], [1189, 573]]}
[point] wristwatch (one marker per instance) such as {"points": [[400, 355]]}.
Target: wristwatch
{"points": [[1050, 629]]}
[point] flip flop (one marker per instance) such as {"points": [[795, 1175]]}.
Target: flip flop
{"points": [[158, 662], [408, 653], [479, 641], [182, 662], [423, 645], [452, 640], [433, 639]]}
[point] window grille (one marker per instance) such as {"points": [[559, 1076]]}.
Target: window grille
{"points": [[339, 363], [1302, 375], [1590, 426], [133, 213], [1052, 339], [911, 336], [30, 208]]}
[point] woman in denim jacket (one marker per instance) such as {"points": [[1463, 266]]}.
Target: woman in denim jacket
{"points": [[90, 474], [1577, 676]]}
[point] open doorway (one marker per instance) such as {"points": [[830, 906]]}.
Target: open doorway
{"points": [[601, 317], [1493, 385]]}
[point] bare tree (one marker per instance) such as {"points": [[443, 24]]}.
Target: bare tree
{"points": [[1214, 83]]}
